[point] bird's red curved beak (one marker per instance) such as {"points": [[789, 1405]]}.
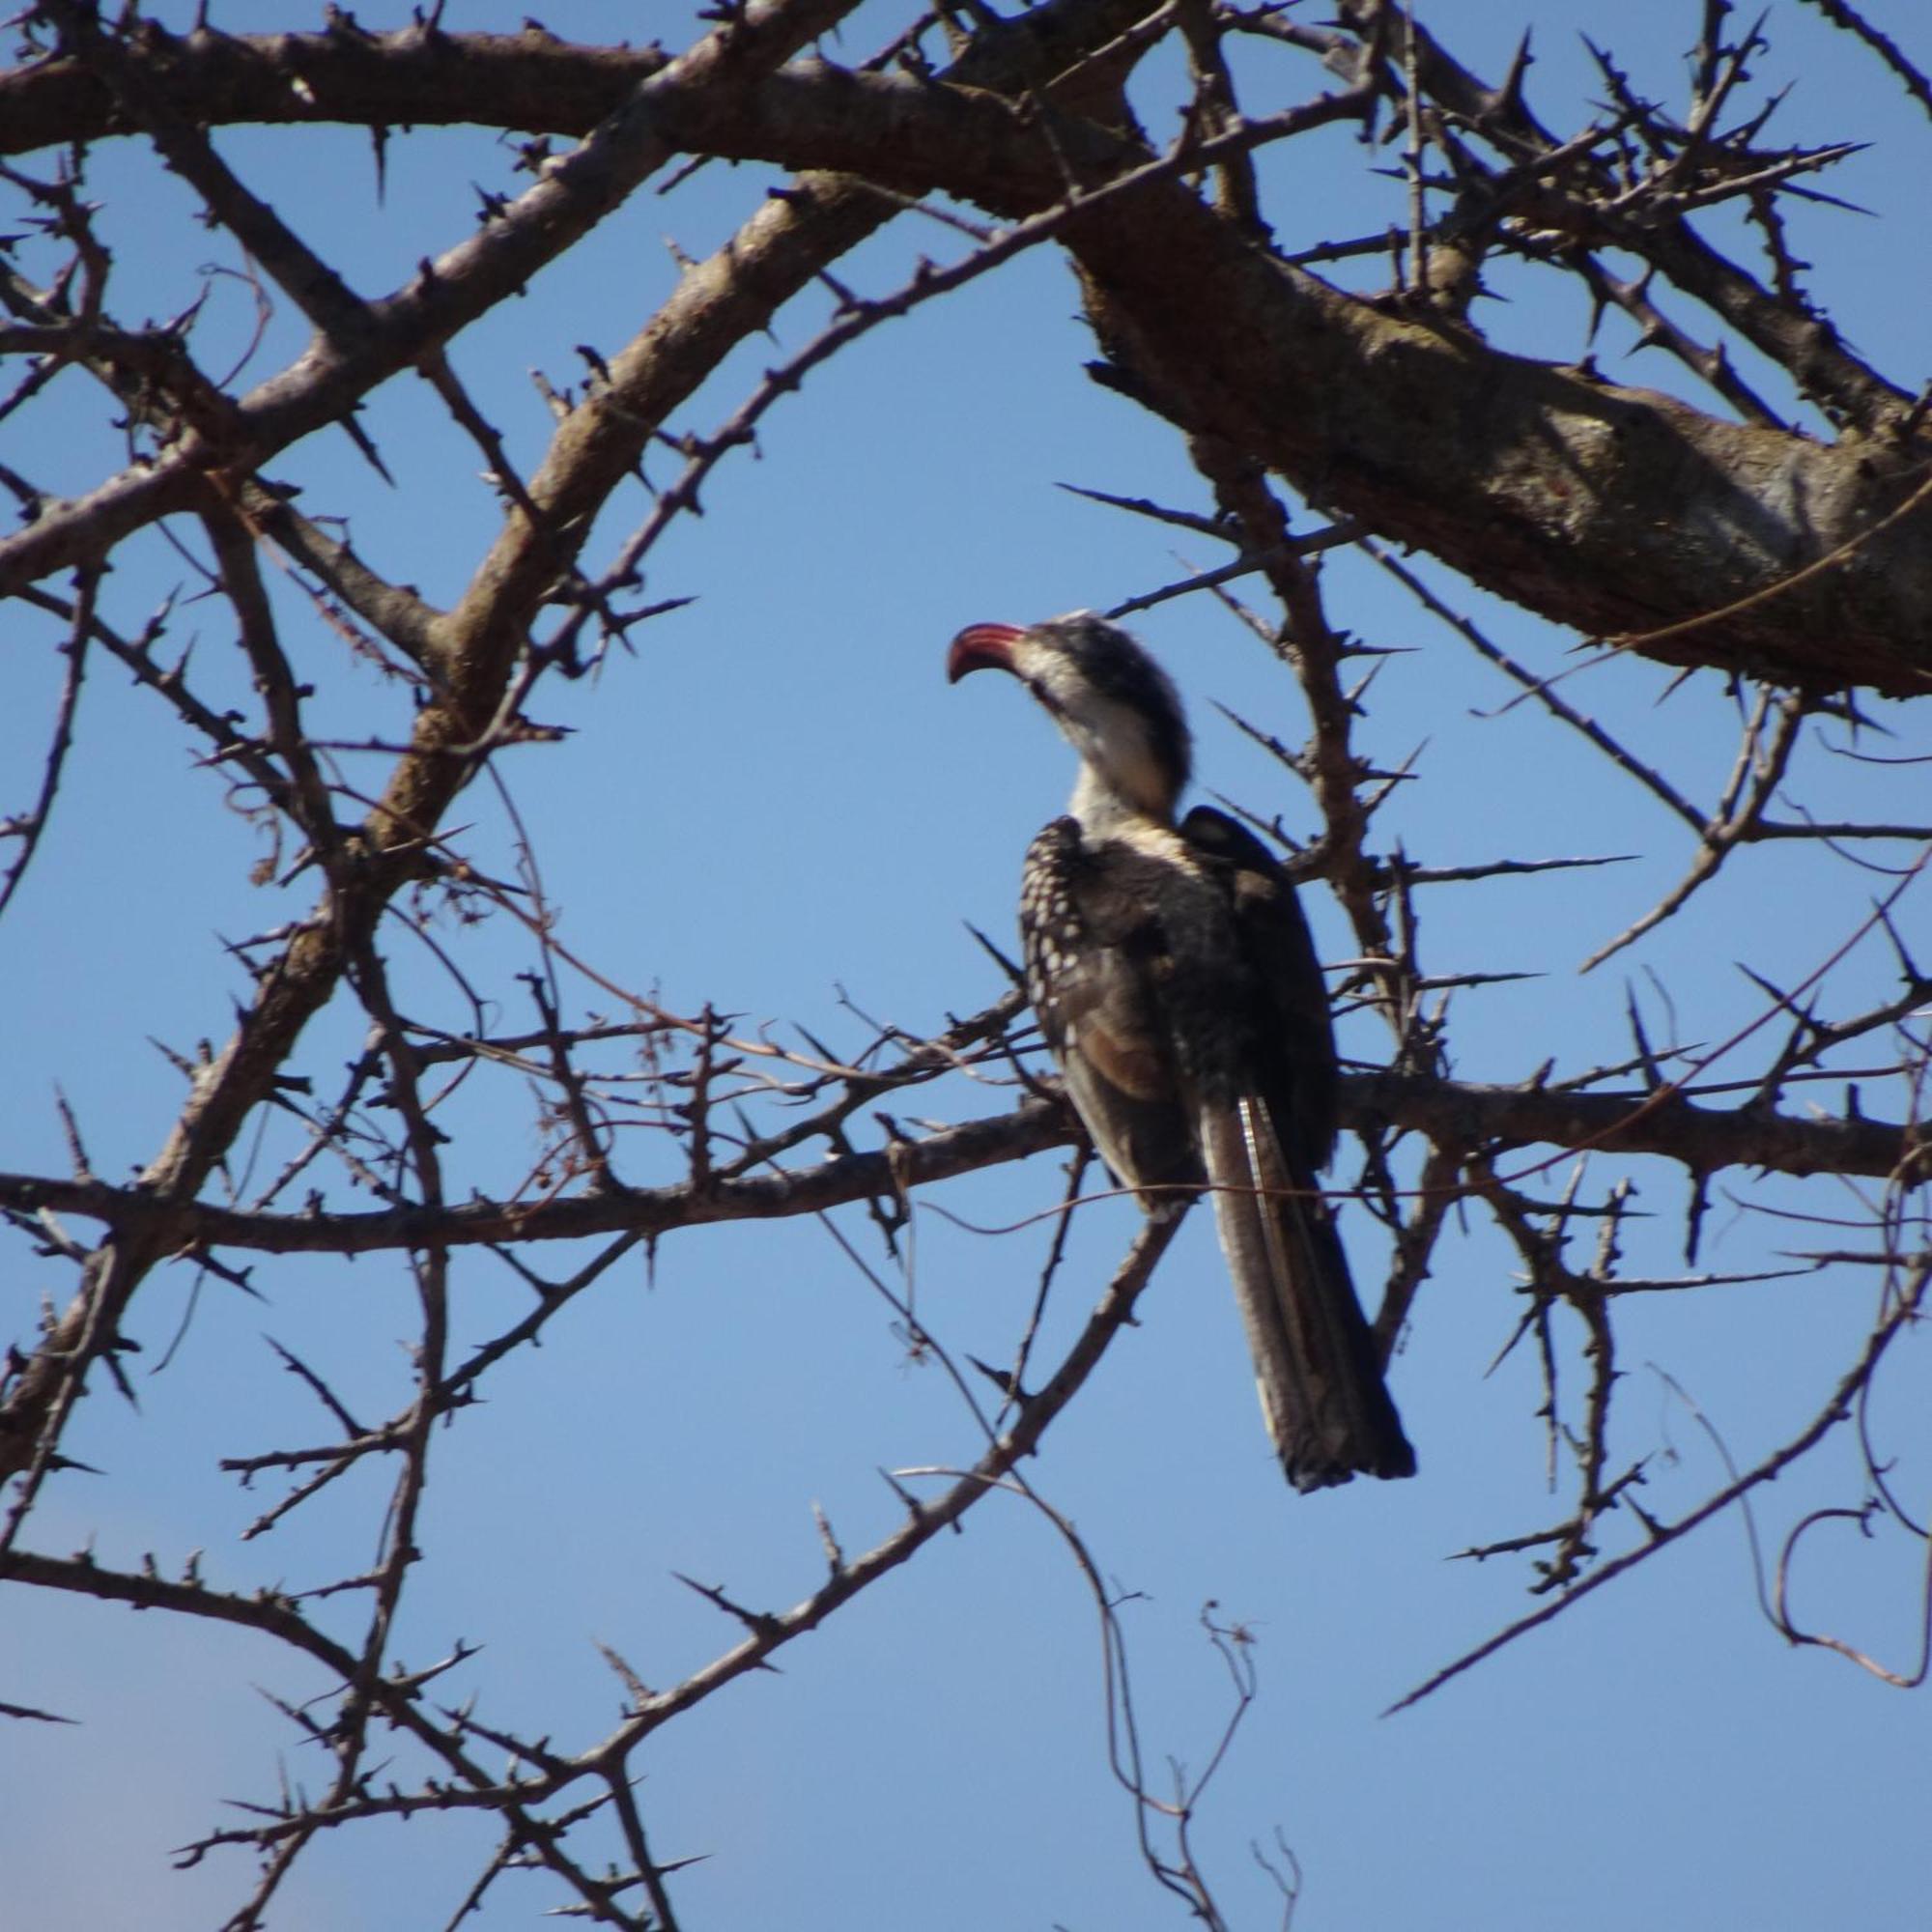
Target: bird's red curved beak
{"points": [[982, 648]]}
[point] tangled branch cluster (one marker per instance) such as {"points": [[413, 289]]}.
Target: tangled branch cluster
{"points": [[1775, 536]]}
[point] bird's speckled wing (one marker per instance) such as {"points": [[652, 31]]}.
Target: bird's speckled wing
{"points": [[1174, 980], [1091, 943]]}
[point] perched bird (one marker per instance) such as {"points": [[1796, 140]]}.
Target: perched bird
{"points": [[1176, 982]]}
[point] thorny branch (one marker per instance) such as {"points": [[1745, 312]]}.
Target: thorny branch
{"points": [[1384, 415]]}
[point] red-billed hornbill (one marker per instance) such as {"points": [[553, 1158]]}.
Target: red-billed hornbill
{"points": [[1178, 987]]}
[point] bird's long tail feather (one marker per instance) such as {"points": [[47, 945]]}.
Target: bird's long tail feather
{"points": [[1316, 1361]]}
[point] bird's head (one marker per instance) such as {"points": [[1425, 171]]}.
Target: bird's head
{"points": [[1115, 706]]}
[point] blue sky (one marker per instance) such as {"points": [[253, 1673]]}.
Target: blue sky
{"points": [[778, 804]]}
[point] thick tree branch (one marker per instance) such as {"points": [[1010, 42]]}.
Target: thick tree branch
{"points": [[418, 76], [1615, 511], [1451, 1113]]}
